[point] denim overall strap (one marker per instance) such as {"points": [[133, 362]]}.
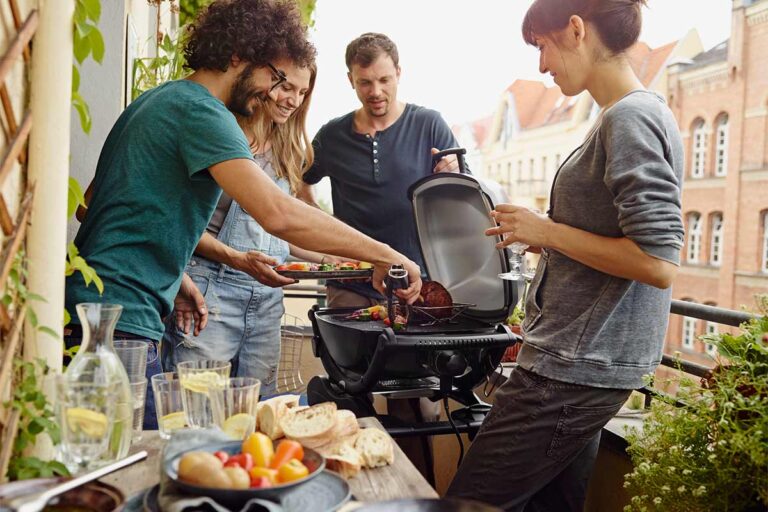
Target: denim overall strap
{"points": [[225, 233]]}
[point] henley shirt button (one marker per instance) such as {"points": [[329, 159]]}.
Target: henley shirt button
{"points": [[375, 151], [375, 143], [375, 160]]}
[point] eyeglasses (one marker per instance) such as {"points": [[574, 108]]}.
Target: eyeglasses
{"points": [[277, 75]]}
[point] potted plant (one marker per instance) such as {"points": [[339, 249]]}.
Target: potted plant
{"points": [[711, 454], [515, 320]]}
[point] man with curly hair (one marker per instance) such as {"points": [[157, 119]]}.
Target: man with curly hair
{"points": [[169, 155]]}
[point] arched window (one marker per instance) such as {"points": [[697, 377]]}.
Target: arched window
{"points": [[764, 262], [721, 146], [694, 237], [716, 240], [699, 160], [689, 333]]}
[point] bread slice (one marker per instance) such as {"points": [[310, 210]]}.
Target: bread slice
{"points": [[345, 426], [375, 447], [271, 411], [312, 427], [342, 457]]}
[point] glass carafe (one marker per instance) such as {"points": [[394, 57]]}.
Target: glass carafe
{"points": [[97, 356]]}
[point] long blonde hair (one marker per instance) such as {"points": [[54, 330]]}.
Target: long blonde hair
{"points": [[292, 152]]}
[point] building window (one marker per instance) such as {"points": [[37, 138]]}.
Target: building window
{"points": [[699, 159], [721, 146], [711, 330], [543, 168], [531, 167], [764, 263], [509, 173], [716, 241], [694, 237], [689, 332], [519, 170]]}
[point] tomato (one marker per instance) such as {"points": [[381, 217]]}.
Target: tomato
{"points": [[260, 482], [375, 315], [259, 446], [271, 474], [222, 456], [292, 470], [241, 460], [281, 267], [286, 451], [387, 322]]}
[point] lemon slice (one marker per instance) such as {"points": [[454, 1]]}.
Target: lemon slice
{"points": [[91, 423], [200, 382], [239, 425], [173, 421]]}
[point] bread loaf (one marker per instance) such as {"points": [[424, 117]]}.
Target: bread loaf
{"points": [[342, 457], [375, 447], [345, 426], [271, 411], [313, 426]]}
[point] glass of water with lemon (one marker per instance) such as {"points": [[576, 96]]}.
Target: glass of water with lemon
{"points": [[234, 406], [168, 405], [195, 378], [86, 413]]}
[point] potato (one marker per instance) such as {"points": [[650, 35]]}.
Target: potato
{"points": [[238, 478], [189, 463], [215, 477]]}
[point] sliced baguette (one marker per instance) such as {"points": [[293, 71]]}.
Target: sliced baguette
{"points": [[345, 426], [312, 427], [375, 447], [271, 411], [342, 457]]}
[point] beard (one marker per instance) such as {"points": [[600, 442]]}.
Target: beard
{"points": [[243, 92]]}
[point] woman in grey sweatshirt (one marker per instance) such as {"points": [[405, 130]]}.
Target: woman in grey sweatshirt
{"points": [[597, 309]]}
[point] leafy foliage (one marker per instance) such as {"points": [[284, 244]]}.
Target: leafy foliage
{"points": [[88, 41], [188, 9], [712, 454], [76, 263], [151, 72], [36, 417]]}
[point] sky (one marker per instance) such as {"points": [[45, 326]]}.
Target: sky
{"points": [[458, 56]]}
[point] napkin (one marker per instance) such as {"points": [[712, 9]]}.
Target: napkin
{"points": [[173, 499]]}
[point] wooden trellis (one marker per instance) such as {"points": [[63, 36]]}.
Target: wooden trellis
{"points": [[15, 231]]}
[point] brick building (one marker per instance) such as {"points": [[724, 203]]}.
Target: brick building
{"points": [[720, 100]]}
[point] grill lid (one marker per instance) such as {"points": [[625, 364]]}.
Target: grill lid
{"points": [[452, 212]]}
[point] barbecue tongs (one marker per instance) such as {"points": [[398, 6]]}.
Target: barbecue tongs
{"points": [[397, 279]]}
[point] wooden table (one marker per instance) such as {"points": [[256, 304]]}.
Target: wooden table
{"points": [[398, 480]]}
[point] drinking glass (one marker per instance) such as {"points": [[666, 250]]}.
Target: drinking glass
{"points": [[139, 393], [86, 414], [133, 355], [168, 404], [233, 406], [196, 377], [518, 268]]}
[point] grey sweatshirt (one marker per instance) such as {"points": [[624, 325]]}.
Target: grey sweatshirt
{"points": [[584, 326]]}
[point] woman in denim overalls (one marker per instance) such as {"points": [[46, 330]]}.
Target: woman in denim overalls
{"points": [[244, 315]]}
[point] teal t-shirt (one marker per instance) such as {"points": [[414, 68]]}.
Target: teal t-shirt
{"points": [[152, 199]]}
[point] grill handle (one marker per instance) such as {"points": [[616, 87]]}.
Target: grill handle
{"points": [[366, 382], [459, 152]]}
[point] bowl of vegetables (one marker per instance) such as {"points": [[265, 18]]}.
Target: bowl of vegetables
{"points": [[232, 473]]}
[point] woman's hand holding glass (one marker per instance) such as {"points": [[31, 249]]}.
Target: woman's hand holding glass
{"points": [[520, 228]]}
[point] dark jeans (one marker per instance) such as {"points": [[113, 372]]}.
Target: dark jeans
{"points": [[536, 448], [153, 367]]}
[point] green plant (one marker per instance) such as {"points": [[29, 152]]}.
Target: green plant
{"points": [[188, 9], [517, 316], [36, 417], [152, 71], [712, 453], [87, 41]]}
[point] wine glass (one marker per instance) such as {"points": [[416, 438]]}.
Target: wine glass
{"points": [[518, 268]]}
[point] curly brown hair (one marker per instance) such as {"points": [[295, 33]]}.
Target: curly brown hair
{"points": [[256, 31]]}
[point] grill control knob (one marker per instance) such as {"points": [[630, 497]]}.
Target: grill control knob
{"points": [[449, 363]]}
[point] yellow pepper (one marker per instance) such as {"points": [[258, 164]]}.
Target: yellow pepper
{"points": [[256, 472], [260, 447], [292, 470]]}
